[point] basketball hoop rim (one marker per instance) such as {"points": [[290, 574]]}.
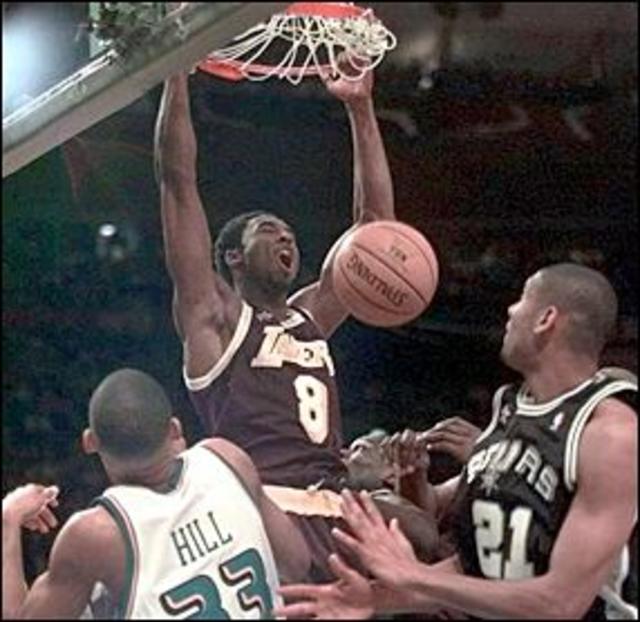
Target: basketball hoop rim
{"points": [[237, 70], [324, 9], [231, 69]]}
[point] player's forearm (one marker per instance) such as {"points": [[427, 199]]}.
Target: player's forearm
{"points": [[526, 599], [14, 586], [391, 601], [417, 488], [187, 242], [444, 494], [184, 223], [373, 186], [175, 141]]}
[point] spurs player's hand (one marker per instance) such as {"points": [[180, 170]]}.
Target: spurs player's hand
{"points": [[349, 91], [30, 507], [383, 549], [349, 598], [406, 452], [454, 436]]}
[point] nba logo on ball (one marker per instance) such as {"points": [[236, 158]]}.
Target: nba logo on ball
{"points": [[385, 273]]}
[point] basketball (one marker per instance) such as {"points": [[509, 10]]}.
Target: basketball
{"points": [[385, 273]]}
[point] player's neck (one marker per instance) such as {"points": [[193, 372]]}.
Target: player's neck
{"points": [[274, 302], [551, 380], [158, 475]]}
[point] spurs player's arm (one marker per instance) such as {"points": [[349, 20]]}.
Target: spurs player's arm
{"points": [[372, 195], [87, 550], [289, 547], [205, 308], [596, 528]]}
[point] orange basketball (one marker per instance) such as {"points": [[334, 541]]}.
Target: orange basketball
{"points": [[385, 273]]}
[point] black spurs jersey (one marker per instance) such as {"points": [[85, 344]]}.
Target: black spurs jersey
{"points": [[519, 483]]}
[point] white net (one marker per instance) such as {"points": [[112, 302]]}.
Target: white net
{"points": [[313, 44]]}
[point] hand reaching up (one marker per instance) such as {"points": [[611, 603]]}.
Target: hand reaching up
{"points": [[30, 507]]}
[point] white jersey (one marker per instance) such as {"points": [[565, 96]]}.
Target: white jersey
{"points": [[199, 550]]}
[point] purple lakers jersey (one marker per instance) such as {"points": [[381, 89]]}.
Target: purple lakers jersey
{"points": [[273, 393]]}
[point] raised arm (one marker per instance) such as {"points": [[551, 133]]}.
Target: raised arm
{"points": [[81, 552], [205, 307], [372, 193]]}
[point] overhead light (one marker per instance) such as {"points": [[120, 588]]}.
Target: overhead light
{"points": [[23, 60], [107, 230]]}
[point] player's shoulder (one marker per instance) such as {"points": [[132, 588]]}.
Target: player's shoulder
{"points": [[611, 432], [92, 524], [89, 542], [613, 418], [234, 457]]}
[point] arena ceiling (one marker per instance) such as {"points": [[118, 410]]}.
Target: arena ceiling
{"points": [[580, 48], [528, 108], [585, 40]]}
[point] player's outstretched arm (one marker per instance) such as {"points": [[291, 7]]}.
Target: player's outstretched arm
{"points": [[27, 506], [372, 192], [605, 504], [205, 307], [80, 552]]}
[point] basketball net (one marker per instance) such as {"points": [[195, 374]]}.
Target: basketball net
{"points": [[323, 38]]}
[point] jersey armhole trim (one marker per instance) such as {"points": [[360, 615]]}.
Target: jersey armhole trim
{"points": [[577, 427], [202, 382], [497, 403], [125, 602], [303, 311]]}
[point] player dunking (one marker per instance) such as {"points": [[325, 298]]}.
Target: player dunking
{"points": [[179, 533], [256, 361], [548, 498]]}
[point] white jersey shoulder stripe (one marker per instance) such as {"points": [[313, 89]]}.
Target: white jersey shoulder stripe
{"points": [[202, 382], [497, 401], [577, 426]]}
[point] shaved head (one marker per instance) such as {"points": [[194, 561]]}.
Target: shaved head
{"points": [[129, 413], [586, 297]]}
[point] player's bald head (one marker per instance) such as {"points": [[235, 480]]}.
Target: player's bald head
{"points": [[129, 413], [586, 297]]}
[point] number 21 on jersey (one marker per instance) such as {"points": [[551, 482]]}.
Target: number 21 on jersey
{"points": [[496, 562]]}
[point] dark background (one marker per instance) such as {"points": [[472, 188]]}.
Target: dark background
{"points": [[496, 201]]}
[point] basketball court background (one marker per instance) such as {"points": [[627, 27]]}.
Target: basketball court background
{"points": [[511, 132]]}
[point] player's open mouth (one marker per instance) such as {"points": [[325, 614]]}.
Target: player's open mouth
{"points": [[286, 258]]}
